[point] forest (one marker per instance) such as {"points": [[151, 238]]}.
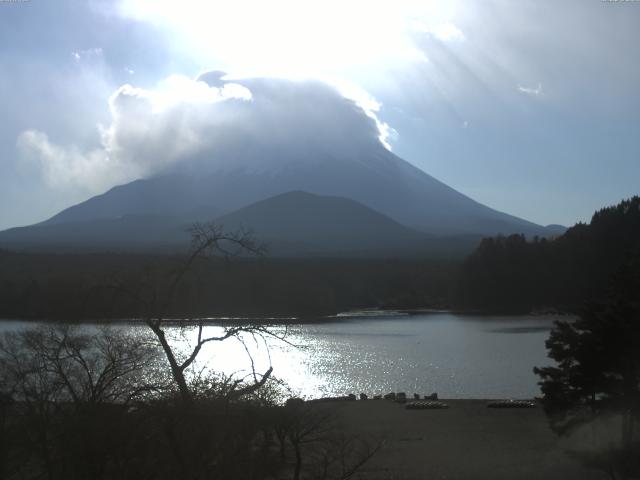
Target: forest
{"points": [[82, 286], [513, 274], [505, 274]]}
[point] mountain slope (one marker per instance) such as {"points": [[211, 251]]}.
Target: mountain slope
{"points": [[170, 195], [374, 177], [134, 233], [291, 224]]}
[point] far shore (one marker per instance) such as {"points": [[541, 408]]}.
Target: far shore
{"points": [[277, 319]]}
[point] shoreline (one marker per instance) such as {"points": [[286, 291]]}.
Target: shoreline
{"points": [[275, 319], [465, 441]]}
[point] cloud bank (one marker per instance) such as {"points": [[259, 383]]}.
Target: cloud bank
{"points": [[210, 123]]}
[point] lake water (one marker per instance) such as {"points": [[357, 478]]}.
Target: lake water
{"points": [[457, 356]]}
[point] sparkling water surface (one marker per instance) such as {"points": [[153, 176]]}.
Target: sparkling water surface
{"points": [[457, 356]]}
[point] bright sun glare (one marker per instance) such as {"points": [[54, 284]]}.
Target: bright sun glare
{"points": [[295, 38]]}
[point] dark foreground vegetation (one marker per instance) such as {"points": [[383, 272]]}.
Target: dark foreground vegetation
{"points": [[103, 405], [595, 383]]}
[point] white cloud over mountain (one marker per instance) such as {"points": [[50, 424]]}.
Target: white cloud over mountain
{"points": [[209, 121]]}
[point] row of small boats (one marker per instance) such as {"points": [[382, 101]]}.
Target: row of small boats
{"points": [[427, 402]]}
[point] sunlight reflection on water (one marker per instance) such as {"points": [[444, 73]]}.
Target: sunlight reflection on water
{"points": [[455, 355], [458, 356]]}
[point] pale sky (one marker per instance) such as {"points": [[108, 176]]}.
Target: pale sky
{"points": [[531, 107]]}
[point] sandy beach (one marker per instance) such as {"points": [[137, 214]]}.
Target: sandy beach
{"points": [[465, 441]]}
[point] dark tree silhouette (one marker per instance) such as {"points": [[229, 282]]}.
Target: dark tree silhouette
{"points": [[516, 274], [598, 366], [598, 370], [156, 295], [71, 391]]}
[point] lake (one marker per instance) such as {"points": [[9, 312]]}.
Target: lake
{"points": [[457, 356]]}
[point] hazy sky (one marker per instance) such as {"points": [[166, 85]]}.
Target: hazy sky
{"points": [[531, 107]]}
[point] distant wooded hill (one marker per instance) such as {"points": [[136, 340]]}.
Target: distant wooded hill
{"points": [[513, 274]]}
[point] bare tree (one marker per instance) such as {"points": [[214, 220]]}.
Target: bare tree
{"points": [[321, 448], [64, 364], [342, 456], [70, 385], [207, 240]]}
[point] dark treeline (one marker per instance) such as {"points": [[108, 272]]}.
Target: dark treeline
{"points": [[513, 274], [84, 286], [508, 274]]}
